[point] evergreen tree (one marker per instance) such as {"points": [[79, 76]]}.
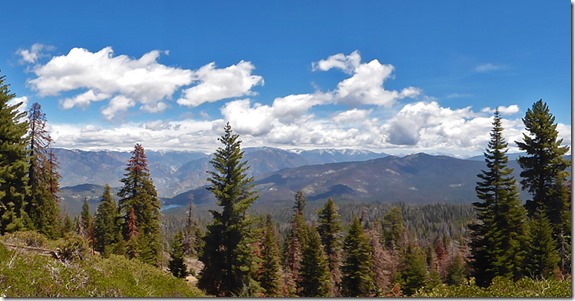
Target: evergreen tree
{"points": [[229, 262], [314, 280], [542, 256], [132, 244], [413, 275], [357, 277], [140, 195], [189, 233], [456, 271], [42, 203], [378, 262], [67, 225], [86, 220], [176, 264], [544, 173], [270, 276], [294, 244], [329, 229], [106, 229], [497, 237], [14, 164], [393, 228]]}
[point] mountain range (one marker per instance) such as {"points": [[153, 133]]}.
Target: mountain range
{"points": [[349, 175], [177, 172]]}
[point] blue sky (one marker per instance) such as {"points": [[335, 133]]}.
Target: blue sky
{"points": [[390, 76]]}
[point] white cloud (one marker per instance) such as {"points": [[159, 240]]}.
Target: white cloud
{"points": [[510, 110], [488, 67], [35, 52], [117, 104], [365, 86], [217, 84], [346, 63], [102, 76]]}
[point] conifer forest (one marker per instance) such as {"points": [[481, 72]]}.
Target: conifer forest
{"points": [[496, 245]]}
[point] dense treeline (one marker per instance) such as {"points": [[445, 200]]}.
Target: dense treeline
{"points": [[314, 249]]}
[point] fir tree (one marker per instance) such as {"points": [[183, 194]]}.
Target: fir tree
{"points": [[176, 264], [294, 244], [14, 164], [67, 225], [314, 280], [86, 221], [140, 195], [270, 276], [106, 228], [42, 202], [329, 229], [357, 277], [542, 256], [544, 173], [497, 237], [413, 275], [229, 262], [456, 271], [393, 228]]}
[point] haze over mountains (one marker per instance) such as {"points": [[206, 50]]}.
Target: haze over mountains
{"points": [[351, 175]]}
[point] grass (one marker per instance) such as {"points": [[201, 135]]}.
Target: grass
{"points": [[29, 273]]}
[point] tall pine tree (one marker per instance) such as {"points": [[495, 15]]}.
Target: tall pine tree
{"points": [[314, 279], [542, 256], [497, 237], [42, 203], [329, 229], [545, 176], [357, 276], [14, 164], [139, 195], [295, 244], [176, 264], [270, 277], [105, 224], [229, 262]]}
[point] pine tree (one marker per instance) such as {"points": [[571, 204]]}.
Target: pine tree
{"points": [[413, 275], [176, 264], [393, 228], [140, 195], [42, 203], [67, 224], [498, 235], [189, 233], [314, 280], [106, 229], [295, 244], [357, 277], [132, 244], [271, 273], [229, 262], [14, 164], [456, 271], [378, 262], [542, 256], [85, 219], [329, 229], [544, 173]]}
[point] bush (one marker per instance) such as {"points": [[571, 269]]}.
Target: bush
{"points": [[73, 247], [30, 238]]}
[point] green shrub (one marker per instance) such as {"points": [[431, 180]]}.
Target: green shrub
{"points": [[29, 238], [74, 247]]}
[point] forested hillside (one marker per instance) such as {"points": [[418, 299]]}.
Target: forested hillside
{"points": [[467, 234]]}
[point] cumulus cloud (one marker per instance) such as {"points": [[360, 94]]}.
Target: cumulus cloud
{"points": [[101, 75], [365, 86], [217, 84]]}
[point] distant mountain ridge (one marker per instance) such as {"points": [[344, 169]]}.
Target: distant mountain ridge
{"points": [[418, 178], [175, 172]]}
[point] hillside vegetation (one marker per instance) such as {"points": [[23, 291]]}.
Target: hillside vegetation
{"points": [[28, 270]]}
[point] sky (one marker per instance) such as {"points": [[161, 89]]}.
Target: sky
{"points": [[396, 77]]}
